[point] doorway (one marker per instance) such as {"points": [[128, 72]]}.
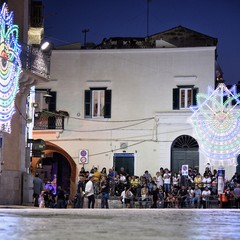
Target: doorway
{"points": [[125, 160], [57, 170], [66, 168], [184, 151]]}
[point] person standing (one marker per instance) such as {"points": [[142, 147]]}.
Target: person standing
{"points": [[60, 198], [96, 180], [155, 196], [89, 191], [167, 181], [236, 194], [37, 189], [80, 192], [105, 192]]}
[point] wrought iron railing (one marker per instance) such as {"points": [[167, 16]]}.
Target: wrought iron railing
{"points": [[47, 121], [35, 60]]}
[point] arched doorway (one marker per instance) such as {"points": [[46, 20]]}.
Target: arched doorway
{"points": [[184, 151], [58, 166]]}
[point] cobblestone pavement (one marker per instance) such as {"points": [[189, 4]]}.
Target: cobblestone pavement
{"points": [[116, 224]]}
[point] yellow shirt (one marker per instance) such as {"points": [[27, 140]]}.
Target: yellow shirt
{"points": [[198, 181], [134, 183], [96, 176]]}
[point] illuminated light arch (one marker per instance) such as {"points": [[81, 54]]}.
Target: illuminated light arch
{"points": [[10, 67], [216, 123]]}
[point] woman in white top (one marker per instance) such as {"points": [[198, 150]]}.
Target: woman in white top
{"points": [[159, 180], [207, 181]]}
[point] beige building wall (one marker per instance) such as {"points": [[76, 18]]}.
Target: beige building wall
{"points": [[141, 81]]}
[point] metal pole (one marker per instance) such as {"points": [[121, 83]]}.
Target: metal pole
{"points": [[85, 31], [148, 1]]}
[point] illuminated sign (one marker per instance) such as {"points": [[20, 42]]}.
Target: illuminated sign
{"points": [[10, 68]]}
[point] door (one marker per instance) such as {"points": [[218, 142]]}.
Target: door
{"points": [[125, 160], [185, 157], [184, 151]]}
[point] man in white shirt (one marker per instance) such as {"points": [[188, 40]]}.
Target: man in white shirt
{"points": [[89, 192]]}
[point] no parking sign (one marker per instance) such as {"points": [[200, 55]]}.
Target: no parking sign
{"points": [[185, 170], [83, 156]]}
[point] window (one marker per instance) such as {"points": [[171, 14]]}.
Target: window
{"points": [[46, 100], [184, 97], [98, 103]]}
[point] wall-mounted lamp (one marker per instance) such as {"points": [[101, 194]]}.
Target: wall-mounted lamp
{"points": [[47, 94], [46, 46], [37, 114], [35, 105]]}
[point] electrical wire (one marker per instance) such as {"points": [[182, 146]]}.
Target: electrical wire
{"points": [[96, 120], [105, 130], [110, 151], [20, 113], [134, 144]]}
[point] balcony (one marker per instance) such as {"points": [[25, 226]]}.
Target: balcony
{"points": [[48, 121], [35, 60]]}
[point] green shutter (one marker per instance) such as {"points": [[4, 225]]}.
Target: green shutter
{"points": [[87, 102], [195, 92], [52, 102], [108, 100], [175, 98]]}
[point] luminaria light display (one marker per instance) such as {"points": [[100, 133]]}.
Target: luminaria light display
{"points": [[216, 123], [10, 67]]}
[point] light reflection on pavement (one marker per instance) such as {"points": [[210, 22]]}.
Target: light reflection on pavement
{"points": [[114, 224]]}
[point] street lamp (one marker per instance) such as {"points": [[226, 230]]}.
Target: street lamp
{"points": [[85, 31]]}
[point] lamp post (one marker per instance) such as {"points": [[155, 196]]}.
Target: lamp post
{"points": [[148, 1], [85, 31]]}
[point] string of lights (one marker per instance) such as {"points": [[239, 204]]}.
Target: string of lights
{"points": [[216, 124], [10, 67]]}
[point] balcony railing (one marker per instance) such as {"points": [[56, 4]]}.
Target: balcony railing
{"points": [[48, 121], [35, 60]]}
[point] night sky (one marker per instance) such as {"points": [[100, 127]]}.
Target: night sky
{"points": [[65, 20]]}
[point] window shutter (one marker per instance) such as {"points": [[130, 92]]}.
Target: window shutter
{"points": [[175, 98], [52, 102], [195, 92], [87, 102], [108, 100]]}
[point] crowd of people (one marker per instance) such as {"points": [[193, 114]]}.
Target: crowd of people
{"points": [[165, 189]]}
